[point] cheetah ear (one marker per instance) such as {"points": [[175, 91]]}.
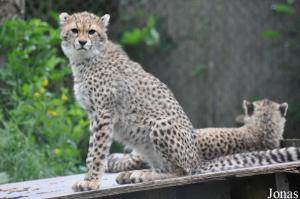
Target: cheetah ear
{"points": [[283, 108], [105, 20], [63, 17], [248, 107]]}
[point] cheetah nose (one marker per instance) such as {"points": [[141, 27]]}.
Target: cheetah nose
{"points": [[82, 42]]}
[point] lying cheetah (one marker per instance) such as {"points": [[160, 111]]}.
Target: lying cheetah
{"points": [[263, 127], [125, 103]]}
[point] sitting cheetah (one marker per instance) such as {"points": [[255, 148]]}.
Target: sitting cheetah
{"points": [[125, 103], [263, 127]]}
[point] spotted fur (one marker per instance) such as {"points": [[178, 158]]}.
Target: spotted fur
{"points": [[263, 128]]}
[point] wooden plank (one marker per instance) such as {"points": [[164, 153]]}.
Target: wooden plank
{"points": [[282, 182], [60, 187]]}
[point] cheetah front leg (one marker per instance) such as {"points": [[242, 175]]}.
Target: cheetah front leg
{"points": [[89, 156], [100, 140]]}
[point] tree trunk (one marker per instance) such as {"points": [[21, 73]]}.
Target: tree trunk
{"points": [[11, 8]]}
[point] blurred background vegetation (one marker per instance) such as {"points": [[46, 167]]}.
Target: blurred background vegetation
{"points": [[212, 54]]}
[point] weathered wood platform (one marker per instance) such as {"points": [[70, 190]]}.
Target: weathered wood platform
{"points": [[253, 182]]}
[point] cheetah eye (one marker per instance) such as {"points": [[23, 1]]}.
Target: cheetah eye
{"points": [[92, 31], [74, 30]]}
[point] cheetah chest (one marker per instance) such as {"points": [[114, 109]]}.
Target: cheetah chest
{"points": [[82, 96]]}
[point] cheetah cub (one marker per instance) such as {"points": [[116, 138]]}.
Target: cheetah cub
{"points": [[125, 103], [264, 122], [263, 128]]}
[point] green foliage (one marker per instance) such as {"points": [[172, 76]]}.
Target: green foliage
{"points": [[40, 124], [271, 34], [147, 35], [283, 8], [287, 35], [199, 69]]}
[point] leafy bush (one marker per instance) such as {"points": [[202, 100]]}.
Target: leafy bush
{"points": [[147, 35], [41, 126]]}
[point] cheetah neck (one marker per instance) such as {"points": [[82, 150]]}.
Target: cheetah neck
{"points": [[268, 131], [77, 70], [80, 67]]}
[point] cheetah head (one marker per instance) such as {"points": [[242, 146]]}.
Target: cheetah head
{"points": [[83, 34], [264, 111]]}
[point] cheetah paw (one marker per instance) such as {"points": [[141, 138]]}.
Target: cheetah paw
{"points": [[128, 177], [86, 185], [124, 177]]}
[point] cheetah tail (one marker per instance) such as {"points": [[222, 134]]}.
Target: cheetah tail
{"points": [[250, 159]]}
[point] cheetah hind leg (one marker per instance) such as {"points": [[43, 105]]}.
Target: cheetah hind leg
{"points": [[177, 158], [175, 145], [145, 175], [118, 162]]}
